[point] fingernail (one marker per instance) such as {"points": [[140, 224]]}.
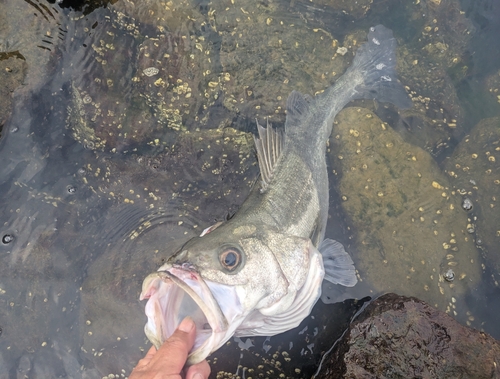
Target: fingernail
{"points": [[198, 376], [186, 325]]}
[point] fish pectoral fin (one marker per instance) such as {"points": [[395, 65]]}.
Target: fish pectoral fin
{"points": [[339, 267], [269, 146]]}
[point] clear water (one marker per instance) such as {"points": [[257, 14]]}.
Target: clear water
{"points": [[129, 132]]}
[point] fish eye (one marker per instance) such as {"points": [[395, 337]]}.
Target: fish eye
{"points": [[230, 258]]}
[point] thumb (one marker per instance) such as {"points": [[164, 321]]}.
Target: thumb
{"points": [[176, 348]]}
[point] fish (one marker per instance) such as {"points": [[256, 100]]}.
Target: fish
{"points": [[260, 272]]}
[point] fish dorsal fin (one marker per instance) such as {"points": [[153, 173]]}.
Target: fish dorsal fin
{"points": [[211, 228], [339, 267], [269, 146], [297, 108]]}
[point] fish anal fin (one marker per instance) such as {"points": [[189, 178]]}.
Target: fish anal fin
{"points": [[339, 267], [269, 146]]}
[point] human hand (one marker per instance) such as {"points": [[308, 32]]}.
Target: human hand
{"points": [[168, 361]]}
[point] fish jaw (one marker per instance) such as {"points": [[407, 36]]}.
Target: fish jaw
{"points": [[179, 291]]}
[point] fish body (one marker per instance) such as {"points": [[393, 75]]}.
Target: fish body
{"points": [[260, 273]]}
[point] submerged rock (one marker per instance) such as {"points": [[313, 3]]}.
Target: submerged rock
{"points": [[403, 337], [410, 226], [474, 172], [12, 74], [434, 58]]}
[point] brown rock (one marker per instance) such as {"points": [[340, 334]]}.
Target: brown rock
{"points": [[403, 337]]}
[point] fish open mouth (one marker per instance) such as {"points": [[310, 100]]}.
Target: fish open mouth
{"points": [[178, 292]]}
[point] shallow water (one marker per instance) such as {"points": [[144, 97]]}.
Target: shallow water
{"points": [[130, 131]]}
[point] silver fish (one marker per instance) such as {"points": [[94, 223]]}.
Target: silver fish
{"points": [[260, 273]]}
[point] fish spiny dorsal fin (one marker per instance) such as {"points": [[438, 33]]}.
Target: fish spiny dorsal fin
{"points": [[269, 146], [297, 109]]}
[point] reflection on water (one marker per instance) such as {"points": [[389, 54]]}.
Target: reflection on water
{"points": [[129, 133]]}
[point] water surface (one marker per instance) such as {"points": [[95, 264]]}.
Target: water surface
{"points": [[129, 131]]}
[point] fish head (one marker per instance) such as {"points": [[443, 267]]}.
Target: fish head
{"points": [[233, 281]]}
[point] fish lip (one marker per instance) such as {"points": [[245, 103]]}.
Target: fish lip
{"points": [[174, 278]]}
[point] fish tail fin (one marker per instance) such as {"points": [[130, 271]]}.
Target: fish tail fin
{"points": [[339, 267], [376, 62]]}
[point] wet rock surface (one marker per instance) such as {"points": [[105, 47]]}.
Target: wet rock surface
{"points": [[403, 337]]}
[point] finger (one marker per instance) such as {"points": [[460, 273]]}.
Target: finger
{"points": [[144, 361], [172, 355], [150, 354], [201, 369]]}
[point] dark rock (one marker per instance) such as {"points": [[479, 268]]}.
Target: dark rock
{"points": [[403, 337]]}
